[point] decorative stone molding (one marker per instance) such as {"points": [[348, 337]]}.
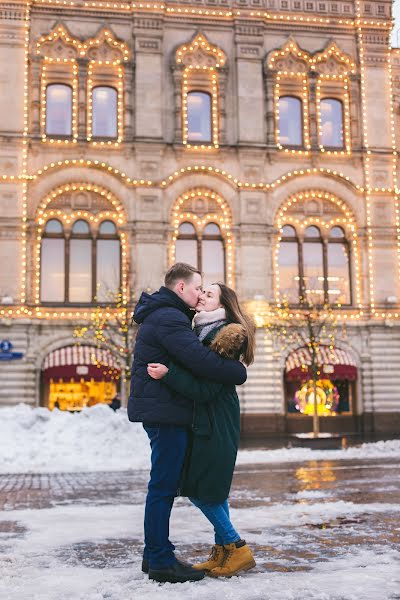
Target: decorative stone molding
{"points": [[201, 66], [82, 65]]}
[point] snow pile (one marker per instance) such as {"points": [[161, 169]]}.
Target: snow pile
{"points": [[36, 439], [382, 449], [96, 439]]}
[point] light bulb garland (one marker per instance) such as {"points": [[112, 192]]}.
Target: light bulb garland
{"points": [[192, 169], [24, 177], [70, 68], [347, 222], [197, 75], [97, 72], [366, 161], [117, 216], [25, 138], [394, 163]]}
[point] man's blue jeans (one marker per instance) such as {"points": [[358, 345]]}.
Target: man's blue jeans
{"points": [[168, 450], [218, 515]]}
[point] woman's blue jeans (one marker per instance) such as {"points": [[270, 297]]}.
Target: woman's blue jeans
{"points": [[218, 515]]}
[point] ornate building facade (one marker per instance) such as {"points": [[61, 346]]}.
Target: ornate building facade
{"points": [[255, 138]]}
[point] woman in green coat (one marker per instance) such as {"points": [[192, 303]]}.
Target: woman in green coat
{"points": [[222, 325]]}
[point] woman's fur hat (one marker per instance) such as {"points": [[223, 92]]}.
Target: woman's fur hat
{"points": [[230, 341]]}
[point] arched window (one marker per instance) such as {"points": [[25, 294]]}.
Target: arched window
{"points": [[288, 264], [338, 258], [108, 262], [290, 121], [104, 112], [212, 254], [80, 263], [331, 125], [80, 268], [186, 245], [316, 268], [58, 109], [313, 264], [204, 250], [52, 261], [199, 117]]}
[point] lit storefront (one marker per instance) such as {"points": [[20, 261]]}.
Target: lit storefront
{"points": [[337, 373], [78, 376]]}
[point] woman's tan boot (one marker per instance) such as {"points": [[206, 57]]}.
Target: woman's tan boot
{"points": [[238, 557], [215, 559]]}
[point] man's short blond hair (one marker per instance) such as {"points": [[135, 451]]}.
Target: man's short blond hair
{"points": [[179, 272]]}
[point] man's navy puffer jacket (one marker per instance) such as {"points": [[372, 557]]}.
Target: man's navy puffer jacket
{"points": [[166, 333]]}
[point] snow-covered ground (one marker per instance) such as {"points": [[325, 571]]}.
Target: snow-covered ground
{"points": [[320, 530], [97, 439], [80, 552]]}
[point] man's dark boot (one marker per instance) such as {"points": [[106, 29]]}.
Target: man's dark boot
{"points": [[176, 573], [145, 564]]}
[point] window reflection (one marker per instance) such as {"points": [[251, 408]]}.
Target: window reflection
{"points": [[331, 123], [290, 121], [315, 267], [213, 254], [74, 267], [199, 117], [104, 112], [313, 262], [58, 109], [108, 263], [80, 270], [338, 267], [52, 262], [204, 250]]}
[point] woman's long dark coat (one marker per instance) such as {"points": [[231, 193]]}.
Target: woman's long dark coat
{"points": [[215, 436]]}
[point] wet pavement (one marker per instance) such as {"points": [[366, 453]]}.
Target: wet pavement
{"points": [[362, 501]]}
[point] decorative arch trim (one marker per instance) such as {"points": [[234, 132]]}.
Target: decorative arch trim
{"points": [[348, 222], [223, 219], [117, 215], [203, 169], [200, 53]]}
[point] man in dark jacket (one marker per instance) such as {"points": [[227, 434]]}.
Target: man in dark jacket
{"points": [[166, 333]]}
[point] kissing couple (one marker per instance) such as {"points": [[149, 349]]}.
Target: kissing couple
{"points": [[189, 355]]}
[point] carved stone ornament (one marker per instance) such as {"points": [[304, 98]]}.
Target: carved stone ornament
{"points": [[200, 53]]}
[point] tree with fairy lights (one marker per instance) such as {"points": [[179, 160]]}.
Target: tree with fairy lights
{"points": [[110, 329], [311, 325]]}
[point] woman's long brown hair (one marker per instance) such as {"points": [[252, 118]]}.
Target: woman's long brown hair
{"points": [[235, 314]]}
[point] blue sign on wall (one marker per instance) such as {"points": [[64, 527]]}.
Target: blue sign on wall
{"points": [[6, 352]]}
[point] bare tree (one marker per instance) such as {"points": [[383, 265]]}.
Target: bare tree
{"points": [[309, 325], [110, 328]]}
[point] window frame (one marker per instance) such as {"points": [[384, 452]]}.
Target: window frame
{"points": [[55, 73], [93, 235], [199, 237], [208, 93], [341, 148], [291, 146], [324, 240], [94, 137]]}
